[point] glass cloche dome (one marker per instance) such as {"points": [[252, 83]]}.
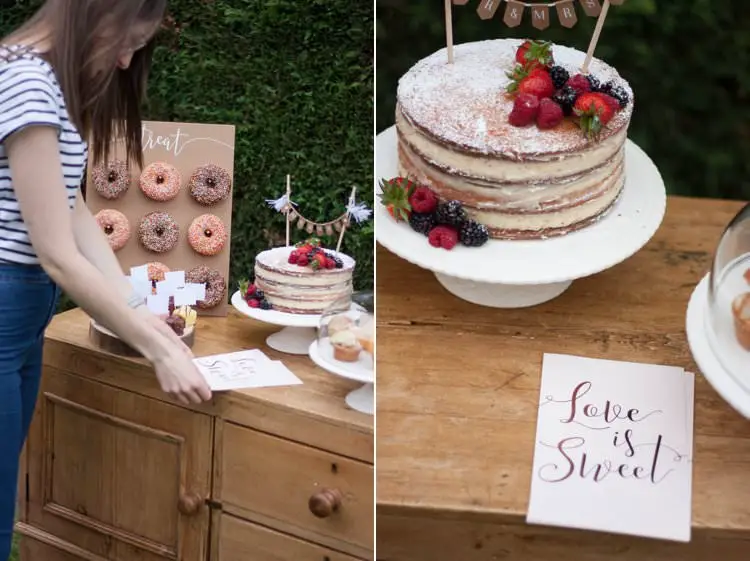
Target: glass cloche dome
{"points": [[728, 317], [346, 334]]}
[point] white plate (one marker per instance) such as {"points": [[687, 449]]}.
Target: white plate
{"points": [[709, 364], [272, 316], [321, 353], [363, 398], [625, 229]]}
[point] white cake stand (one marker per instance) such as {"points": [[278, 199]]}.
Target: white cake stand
{"points": [[522, 273], [362, 399], [697, 328], [299, 330]]}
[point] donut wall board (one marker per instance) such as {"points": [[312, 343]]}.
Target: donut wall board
{"points": [[178, 208]]}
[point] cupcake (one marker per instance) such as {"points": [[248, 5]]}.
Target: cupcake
{"points": [[346, 348], [366, 336], [741, 313], [338, 323]]}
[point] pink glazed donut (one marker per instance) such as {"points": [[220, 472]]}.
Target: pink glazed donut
{"points": [[160, 182], [115, 226], [207, 235]]}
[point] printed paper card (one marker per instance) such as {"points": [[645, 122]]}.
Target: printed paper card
{"points": [[614, 446], [244, 370]]}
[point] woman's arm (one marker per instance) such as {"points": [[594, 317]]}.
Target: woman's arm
{"points": [[92, 243], [43, 201], [36, 173]]}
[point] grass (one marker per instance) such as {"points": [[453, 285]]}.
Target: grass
{"points": [[14, 552]]}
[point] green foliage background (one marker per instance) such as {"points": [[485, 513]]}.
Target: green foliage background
{"points": [[295, 78], [687, 61]]}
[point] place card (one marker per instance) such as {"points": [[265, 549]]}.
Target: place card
{"points": [[158, 304], [184, 297], [244, 370], [175, 279], [613, 449]]}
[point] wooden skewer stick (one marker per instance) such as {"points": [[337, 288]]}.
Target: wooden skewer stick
{"points": [[449, 29], [346, 220], [288, 205], [595, 37]]}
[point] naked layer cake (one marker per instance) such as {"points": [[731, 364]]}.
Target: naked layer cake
{"points": [[295, 284], [461, 133]]}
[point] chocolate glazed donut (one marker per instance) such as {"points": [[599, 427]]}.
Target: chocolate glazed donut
{"points": [[210, 184]]}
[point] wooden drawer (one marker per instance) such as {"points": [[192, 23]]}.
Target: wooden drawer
{"points": [[279, 483], [243, 541]]}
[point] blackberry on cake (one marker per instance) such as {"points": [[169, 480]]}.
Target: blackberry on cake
{"points": [[559, 76], [422, 222], [566, 99], [473, 234], [593, 82], [451, 213], [617, 92]]}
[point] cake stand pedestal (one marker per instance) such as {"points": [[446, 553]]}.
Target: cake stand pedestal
{"points": [[363, 398], [299, 330], [524, 273], [697, 328]]}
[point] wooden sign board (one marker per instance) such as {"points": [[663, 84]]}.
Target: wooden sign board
{"points": [[186, 146]]}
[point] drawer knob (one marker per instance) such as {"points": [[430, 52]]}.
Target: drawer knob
{"points": [[325, 502], [189, 504]]}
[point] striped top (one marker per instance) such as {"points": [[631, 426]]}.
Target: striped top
{"points": [[30, 95]]}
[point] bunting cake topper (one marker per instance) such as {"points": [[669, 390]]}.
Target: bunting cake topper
{"points": [[285, 205], [539, 14]]}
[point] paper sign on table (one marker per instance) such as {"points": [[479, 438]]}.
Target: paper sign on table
{"points": [[613, 449], [244, 370]]}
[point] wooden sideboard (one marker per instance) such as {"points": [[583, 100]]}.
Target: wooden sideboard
{"points": [[115, 471], [458, 388]]}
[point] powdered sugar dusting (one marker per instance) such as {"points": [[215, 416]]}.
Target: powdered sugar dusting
{"points": [[465, 103]]}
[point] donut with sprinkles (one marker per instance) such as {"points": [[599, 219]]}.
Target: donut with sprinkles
{"points": [[158, 232], [115, 226], [111, 180], [160, 182], [157, 271], [216, 285], [210, 184], [207, 235]]}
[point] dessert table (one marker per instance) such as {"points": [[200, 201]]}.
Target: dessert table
{"points": [[457, 396], [116, 471]]}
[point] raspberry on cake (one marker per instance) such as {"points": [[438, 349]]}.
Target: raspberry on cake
{"points": [[520, 182]]}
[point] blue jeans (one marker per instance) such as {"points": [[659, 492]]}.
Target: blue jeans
{"points": [[28, 299]]}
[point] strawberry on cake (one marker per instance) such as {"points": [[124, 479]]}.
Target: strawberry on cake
{"points": [[304, 279], [514, 133]]}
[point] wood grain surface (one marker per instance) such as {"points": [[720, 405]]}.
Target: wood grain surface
{"points": [[314, 413], [457, 401]]}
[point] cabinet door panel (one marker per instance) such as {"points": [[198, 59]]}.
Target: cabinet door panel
{"points": [[116, 473]]}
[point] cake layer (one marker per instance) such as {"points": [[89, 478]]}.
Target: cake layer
{"points": [[521, 182], [464, 105], [301, 290]]}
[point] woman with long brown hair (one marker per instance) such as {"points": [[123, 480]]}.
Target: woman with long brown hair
{"points": [[77, 70]]}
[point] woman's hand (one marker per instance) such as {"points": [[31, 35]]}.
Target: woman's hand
{"points": [[161, 326], [179, 377], [177, 374]]}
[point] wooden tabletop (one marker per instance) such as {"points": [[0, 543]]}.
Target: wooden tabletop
{"points": [[314, 412], [458, 384]]}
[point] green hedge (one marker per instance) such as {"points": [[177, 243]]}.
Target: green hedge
{"points": [[687, 61], [295, 77]]}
